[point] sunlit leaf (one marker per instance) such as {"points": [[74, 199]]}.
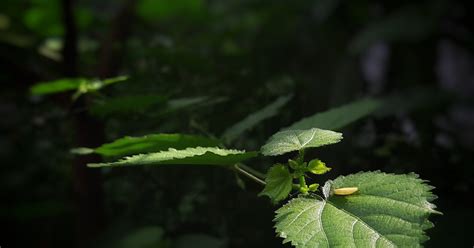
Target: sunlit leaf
{"points": [[317, 167], [387, 211], [191, 156], [295, 140]]}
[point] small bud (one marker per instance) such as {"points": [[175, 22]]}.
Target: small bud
{"points": [[304, 190], [317, 167], [293, 164], [313, 187]]}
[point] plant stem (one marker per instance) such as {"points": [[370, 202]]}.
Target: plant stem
{"points": [[253, 171], [249, 175], [303, 182], [301, 156]]}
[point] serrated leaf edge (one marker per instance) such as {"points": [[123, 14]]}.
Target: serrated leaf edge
{"points": [[199, 152]]}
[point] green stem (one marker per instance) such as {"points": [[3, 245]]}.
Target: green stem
{"points": [[301, 156], [249, 175], [303, 182], [303, 187]]}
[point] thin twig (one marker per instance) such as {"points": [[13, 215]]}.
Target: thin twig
{"points": [[253, 171]]}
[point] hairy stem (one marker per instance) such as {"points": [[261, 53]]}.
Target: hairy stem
{"points": [[300, 158], [253, 171], [248, 174]]}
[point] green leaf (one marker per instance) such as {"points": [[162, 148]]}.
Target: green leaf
{"points": [[81, 85], [233, 132], [195, 156], [279, 183], [57, 86], [317, 167], [339, 117], [149, 143], [387, 211], [295, 140]]}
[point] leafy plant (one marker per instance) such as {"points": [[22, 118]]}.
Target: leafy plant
{"points": [[367, 209], [80, 85]]}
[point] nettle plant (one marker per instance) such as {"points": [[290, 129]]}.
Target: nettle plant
{"points": [[366, 209]]}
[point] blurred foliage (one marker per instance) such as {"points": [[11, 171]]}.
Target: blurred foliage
{"points": [[199, 67]]}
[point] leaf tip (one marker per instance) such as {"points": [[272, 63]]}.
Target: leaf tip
{"points": [[81, 151]]}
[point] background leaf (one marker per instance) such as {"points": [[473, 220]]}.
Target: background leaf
{"points": [[339, 117], [295, 140], [388, 211], [233, 132], [197, 155], [82, 85], [57, 86]]}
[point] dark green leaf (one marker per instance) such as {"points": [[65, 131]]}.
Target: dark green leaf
{"points": [[337, 118], [279, 183]]}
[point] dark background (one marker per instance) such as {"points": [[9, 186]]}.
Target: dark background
{"points": [[236, 56]]}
